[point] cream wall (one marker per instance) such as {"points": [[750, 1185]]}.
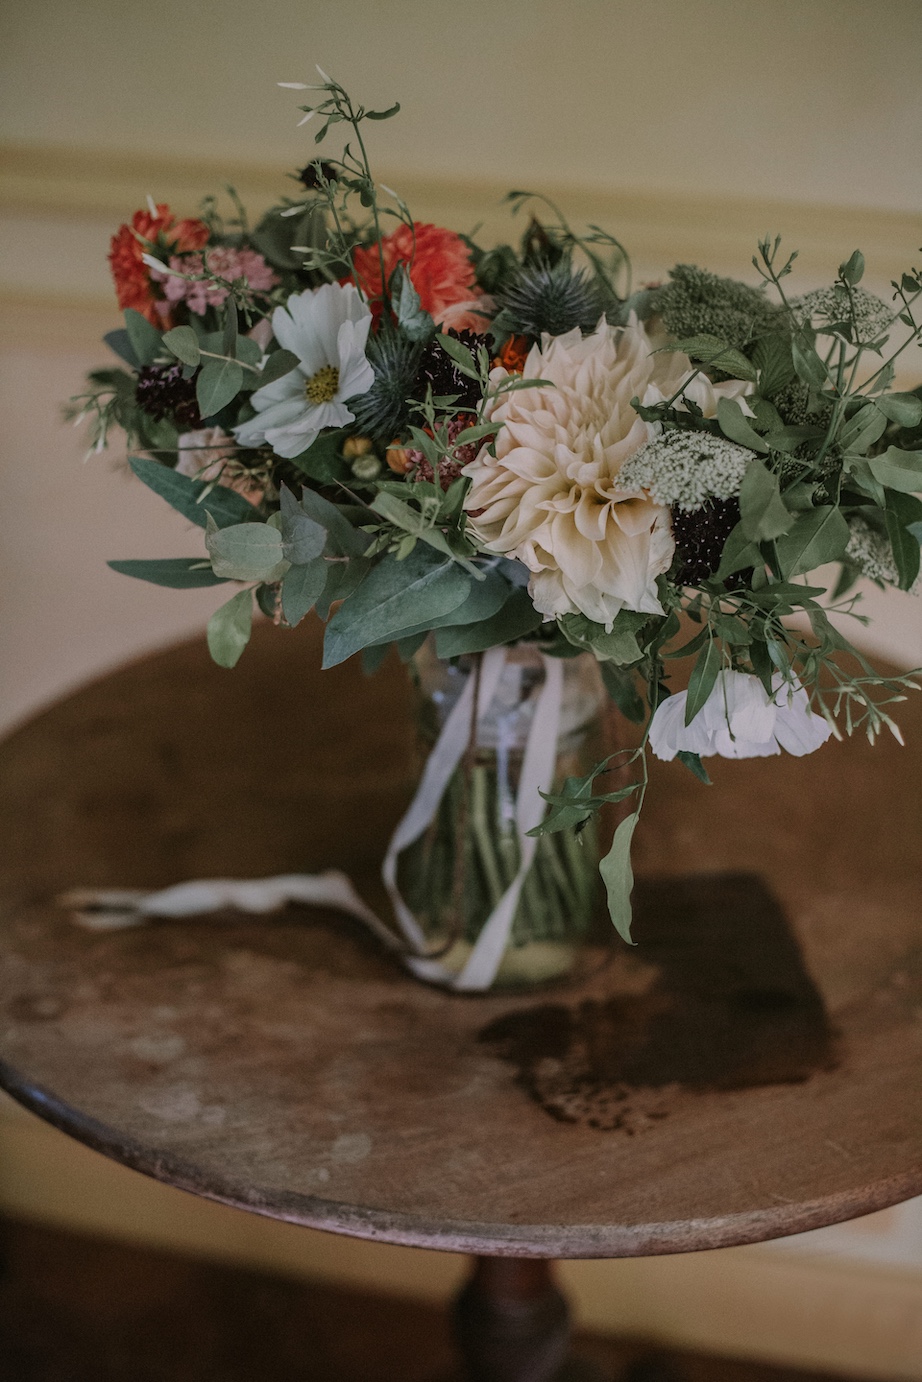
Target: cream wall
{"points": [[688, 129]]}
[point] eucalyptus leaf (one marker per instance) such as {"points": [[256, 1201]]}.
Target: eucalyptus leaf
{"points": [[303, 538], [343, 578], [485, 598], [120, 342], [819, 536], [218, 383], [735, 425], [517, 618], [177, 573], [343, 540], [618, 877], [183, 343], [229, 629], [146, 341], [302, 587], [229, 342], [249, 352], [246, 552], [394, 598], [194, 499]]}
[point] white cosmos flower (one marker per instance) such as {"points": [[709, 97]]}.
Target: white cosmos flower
{"points": [[739, 720], [327, 329]]}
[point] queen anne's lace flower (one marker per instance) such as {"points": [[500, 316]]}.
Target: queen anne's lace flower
{"points": [[739, 720], [685, 469], [827, 306], [326, 328], [552, 495], [872, 553]]}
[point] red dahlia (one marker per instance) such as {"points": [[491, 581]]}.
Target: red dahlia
{"points": [[440, 270]]}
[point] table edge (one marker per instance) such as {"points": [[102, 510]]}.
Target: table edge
{"points": [[516, 1240]]}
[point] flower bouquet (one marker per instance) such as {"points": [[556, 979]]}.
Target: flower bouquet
{"points": [[547, 488]]}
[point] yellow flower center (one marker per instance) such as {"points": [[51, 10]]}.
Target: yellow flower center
{"points": [[322, 386]]}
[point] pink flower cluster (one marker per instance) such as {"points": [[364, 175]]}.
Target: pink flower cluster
{"points": [[449, 466], [225, 261]]}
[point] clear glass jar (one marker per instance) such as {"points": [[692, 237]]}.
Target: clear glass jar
{"points": [[456, 873]]}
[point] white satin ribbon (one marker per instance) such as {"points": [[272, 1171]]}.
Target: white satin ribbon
{"points": [[108, 910]]}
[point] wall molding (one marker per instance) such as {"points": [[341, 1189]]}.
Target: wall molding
{"points": [[659, 228]]}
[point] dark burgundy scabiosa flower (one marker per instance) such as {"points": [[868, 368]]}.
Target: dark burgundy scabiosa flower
{"points": [[436, 368], [162, 391], [311, 175], [700, 536]]}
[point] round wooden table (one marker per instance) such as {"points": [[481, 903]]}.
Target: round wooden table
{"points": [[750, 1069]]}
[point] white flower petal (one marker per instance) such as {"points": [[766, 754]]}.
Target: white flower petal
{"points": [[798, 730]]}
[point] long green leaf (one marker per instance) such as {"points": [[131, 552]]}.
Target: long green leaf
{"points": [[899, 470], [302, 587], [703, 678], [194, 499], [734, 424], [818, 536], [516, 619], [618, 877], [763, 514], [178, 573], [394, 598], [146, 341]]}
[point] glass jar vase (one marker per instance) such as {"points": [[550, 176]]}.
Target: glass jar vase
{"points": [[457, 872]]}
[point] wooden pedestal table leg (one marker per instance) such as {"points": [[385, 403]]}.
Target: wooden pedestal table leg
{"points": [[513, 1325]]}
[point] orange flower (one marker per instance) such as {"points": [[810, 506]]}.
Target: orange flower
{"points": [[133, 285], [440, 270], [513, 355]]}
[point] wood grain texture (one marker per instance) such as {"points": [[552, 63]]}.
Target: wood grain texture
{"points": [[287, 1067]]}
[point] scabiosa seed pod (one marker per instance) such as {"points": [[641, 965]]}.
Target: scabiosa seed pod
{"points": [[161, 391], [438, 371], [700, 537], [311, 175]]}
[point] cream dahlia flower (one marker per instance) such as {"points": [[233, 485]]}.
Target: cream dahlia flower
{"points": [[550, 497]]}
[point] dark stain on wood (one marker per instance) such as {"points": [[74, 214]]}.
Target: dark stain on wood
{"points": [[732, 1007]]}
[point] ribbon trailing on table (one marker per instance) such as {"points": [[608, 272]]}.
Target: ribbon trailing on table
{"points": [[115, 909]]}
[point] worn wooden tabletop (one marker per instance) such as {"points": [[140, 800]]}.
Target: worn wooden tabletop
{"points": [[752, 1068]]}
